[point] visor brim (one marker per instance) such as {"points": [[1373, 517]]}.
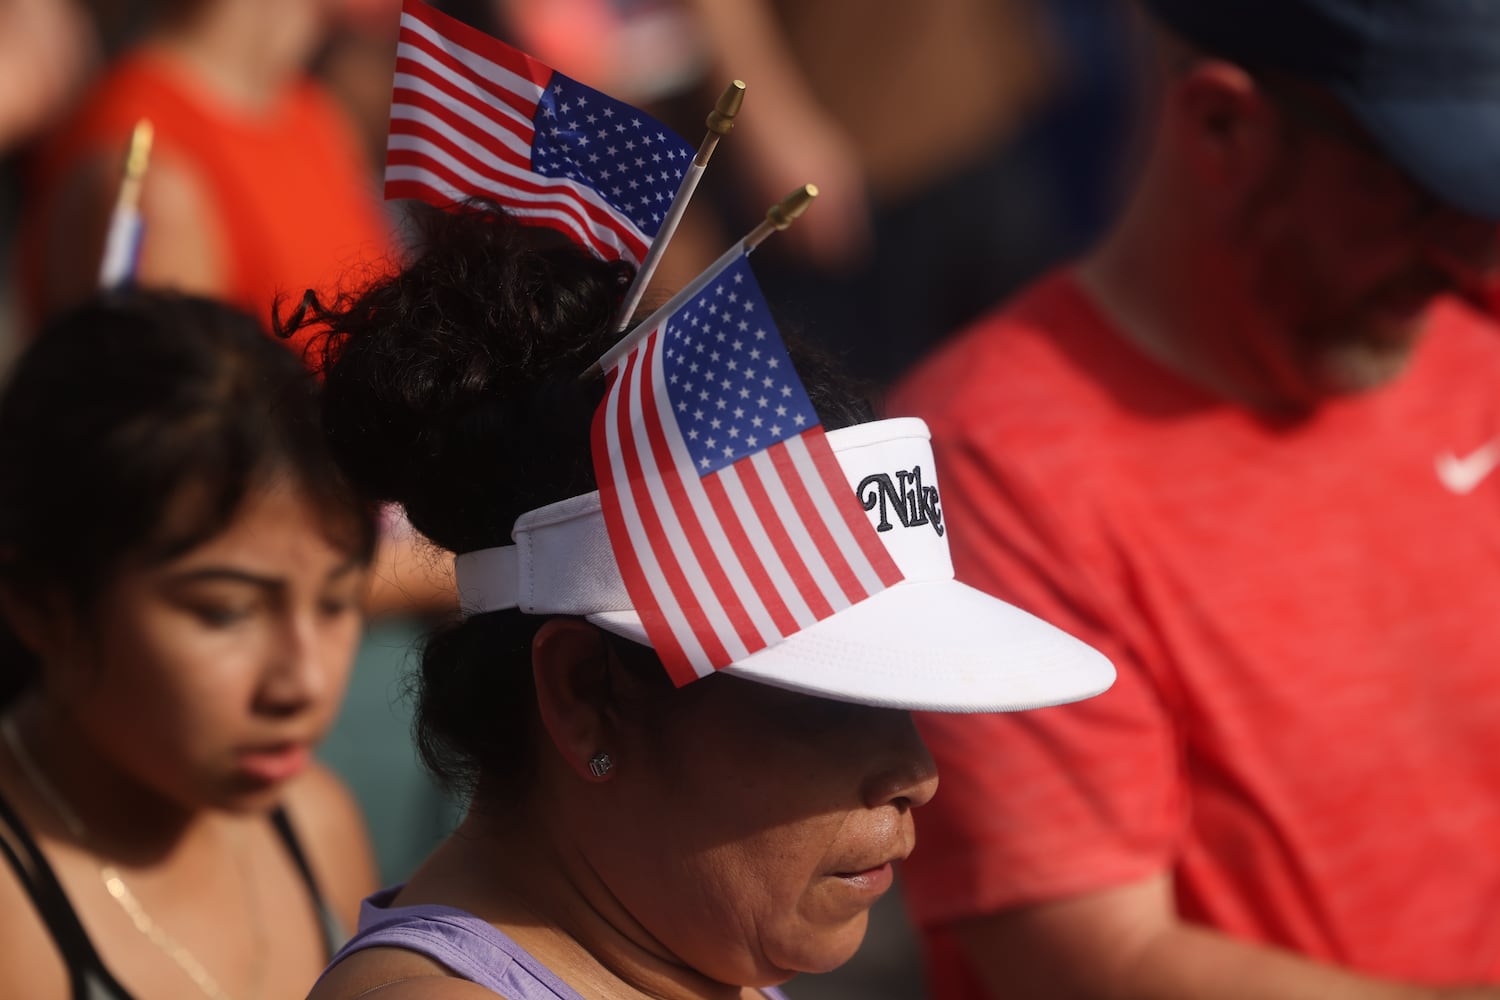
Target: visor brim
{"points": [[937, 646]]}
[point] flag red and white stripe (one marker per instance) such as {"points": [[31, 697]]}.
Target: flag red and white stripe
{"points": [[731, 533], [472, 116]]}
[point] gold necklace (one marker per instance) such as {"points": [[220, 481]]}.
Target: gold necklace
{"points": [[120, 892]]}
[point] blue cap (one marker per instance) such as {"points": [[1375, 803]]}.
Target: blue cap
{"points": [[1421, 76]]}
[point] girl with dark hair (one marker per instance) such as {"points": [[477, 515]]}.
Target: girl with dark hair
{"points": [[626, 837], [181, 576]]}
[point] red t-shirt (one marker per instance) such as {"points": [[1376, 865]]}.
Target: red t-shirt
{"points": [[296, 201], [1305, 618]]}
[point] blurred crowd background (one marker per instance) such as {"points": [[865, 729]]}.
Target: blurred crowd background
{"points": [[962, 147]]}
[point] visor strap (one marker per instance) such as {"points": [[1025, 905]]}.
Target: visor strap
{"points": [[488, 579]]}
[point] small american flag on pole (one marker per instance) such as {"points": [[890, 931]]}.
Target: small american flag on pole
{"points": [[471, 116], [731, 520]]}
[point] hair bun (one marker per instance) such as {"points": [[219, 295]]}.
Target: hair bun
{"points": [[452, 387]]}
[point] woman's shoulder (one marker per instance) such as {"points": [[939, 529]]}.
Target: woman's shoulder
{"points": [[331, 831], [394, 974]]}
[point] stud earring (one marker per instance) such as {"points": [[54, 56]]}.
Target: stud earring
{"points": [[601, 764]]}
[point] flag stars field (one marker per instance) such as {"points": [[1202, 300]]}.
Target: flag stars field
{"points": [[732, 370]]}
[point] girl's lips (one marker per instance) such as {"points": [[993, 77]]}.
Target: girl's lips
{"points": [[272, 765]]}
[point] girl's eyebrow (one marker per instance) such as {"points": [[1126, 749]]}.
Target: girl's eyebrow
{"points": [[233, 575], [225, 573], [353, 564]]}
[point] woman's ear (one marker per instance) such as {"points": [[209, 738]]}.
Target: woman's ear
{"points": [[570, 664]]}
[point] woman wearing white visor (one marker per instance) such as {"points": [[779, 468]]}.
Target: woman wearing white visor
{"points": [[627, 836]]}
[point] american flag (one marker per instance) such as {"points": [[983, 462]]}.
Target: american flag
{"points": [[730, 518], [471, 115]]}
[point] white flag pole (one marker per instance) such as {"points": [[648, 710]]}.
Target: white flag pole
{"points": [[122, 244], [778, 217], [720, 120]]}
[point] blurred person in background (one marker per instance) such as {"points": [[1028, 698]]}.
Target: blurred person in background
{"points": [[257, 185], [182, 570], [917, 122], [1249, 445], [47, 48]]}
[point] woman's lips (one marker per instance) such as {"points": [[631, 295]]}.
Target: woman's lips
{"points": [[273, 764], [871, 880]]}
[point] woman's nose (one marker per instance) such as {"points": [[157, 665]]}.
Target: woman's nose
{"points": [[908, 775]]}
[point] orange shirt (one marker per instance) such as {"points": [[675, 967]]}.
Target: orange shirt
{"points": [[1305, 731], [296, 203]]}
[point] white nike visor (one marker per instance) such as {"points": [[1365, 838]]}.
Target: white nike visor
{"points": [[927, 643]]}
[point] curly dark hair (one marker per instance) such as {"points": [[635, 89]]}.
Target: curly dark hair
{"points": [[119, 405], [453, 389]]}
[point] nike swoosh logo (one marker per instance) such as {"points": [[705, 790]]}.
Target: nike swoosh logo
{"points": [[1462, 475]]}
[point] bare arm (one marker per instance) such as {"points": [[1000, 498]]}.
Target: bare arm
{"points": [[787, 136], [411, 576], [1127, 943]]}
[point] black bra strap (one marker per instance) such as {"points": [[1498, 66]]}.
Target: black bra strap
{"points": [[85, 967], [283, 824], [51, 902]]}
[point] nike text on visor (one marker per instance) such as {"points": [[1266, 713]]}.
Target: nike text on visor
{"points": [[927, 643]]}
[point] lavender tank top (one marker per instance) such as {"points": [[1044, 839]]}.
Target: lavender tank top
{"points": [[474, 949]]}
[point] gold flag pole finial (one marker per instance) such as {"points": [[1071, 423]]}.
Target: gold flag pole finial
{"points": [[135, 162], [719, 121], [122, 241], [781, 215], [786, 211], [778, 217]]}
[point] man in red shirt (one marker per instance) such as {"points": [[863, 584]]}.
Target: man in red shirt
{"points": [[1250, 448]]}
